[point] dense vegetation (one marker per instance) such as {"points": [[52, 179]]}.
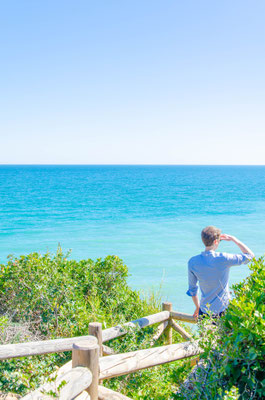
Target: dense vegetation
{"points": [[46, 296]]}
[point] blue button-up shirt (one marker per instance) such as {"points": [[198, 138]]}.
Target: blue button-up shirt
{"points": [[211, 270]]}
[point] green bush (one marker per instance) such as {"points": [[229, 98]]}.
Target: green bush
{"points": [[46, 296], [234, 349], [61, 296]]}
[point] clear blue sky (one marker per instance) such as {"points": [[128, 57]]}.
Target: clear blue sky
{"points": [[124, 82]]}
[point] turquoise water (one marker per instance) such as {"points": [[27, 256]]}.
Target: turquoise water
{"points": [[150, 216]]}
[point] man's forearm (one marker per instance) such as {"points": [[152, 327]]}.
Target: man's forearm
{"points": [[243, 247], [197, 305], [196, 301]]}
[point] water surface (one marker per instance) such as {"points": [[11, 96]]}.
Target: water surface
{"points": [[150, 216]]}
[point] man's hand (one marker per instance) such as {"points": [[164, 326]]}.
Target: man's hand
{"points": [[226, 237], [196, 313]]}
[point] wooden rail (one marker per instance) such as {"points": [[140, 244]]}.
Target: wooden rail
{"points": [[127, 363], [80, 378], [42, 347], [119, 330], [108, 394], [66, 386], [180, 330], [183, 317]]}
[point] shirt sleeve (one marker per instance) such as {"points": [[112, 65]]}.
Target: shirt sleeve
{"points": [[193, 284], [236, 259]]}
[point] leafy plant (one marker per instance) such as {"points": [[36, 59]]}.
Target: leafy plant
{"points": [[49, 296]]}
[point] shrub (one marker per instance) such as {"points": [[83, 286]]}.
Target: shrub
{"points": [[58, 296], [46, 296]]}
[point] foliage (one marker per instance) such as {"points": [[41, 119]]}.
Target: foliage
{"points": [[46, 296], [157, 383], [61, 296], [234, 348]]}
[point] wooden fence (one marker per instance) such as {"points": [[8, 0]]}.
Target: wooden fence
{"points": [[81, 378]]}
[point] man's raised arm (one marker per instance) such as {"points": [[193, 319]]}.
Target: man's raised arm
{"points": [[242, 246]]}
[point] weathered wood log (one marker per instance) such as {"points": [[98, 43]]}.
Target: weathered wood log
{"points": [[38, 396], [119, 330], [183, 317], [63, 369], [83, 396], [139, 359], [126, 363], [77, 380], [42, 347], [161, 328], [108, 351], [9, 396], [95, 329], [168, 307], [55, 376], [180, 330], [85, 355], [59, 345], [108, 394]]}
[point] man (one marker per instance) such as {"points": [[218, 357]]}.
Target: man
{"points": [[211, 270]]}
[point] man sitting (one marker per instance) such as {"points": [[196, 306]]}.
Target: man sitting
{"points": [[211, 270]]}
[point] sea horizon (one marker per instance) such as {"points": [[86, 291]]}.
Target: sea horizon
{"points": [[120, 165]]}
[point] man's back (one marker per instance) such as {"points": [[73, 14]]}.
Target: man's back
{"points": [[211, 269]]}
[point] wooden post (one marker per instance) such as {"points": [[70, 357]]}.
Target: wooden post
{"points": [[95, 329], [87, 355], [168, 307]]}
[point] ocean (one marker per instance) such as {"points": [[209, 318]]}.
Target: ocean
{"points": [[150, 216]]}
